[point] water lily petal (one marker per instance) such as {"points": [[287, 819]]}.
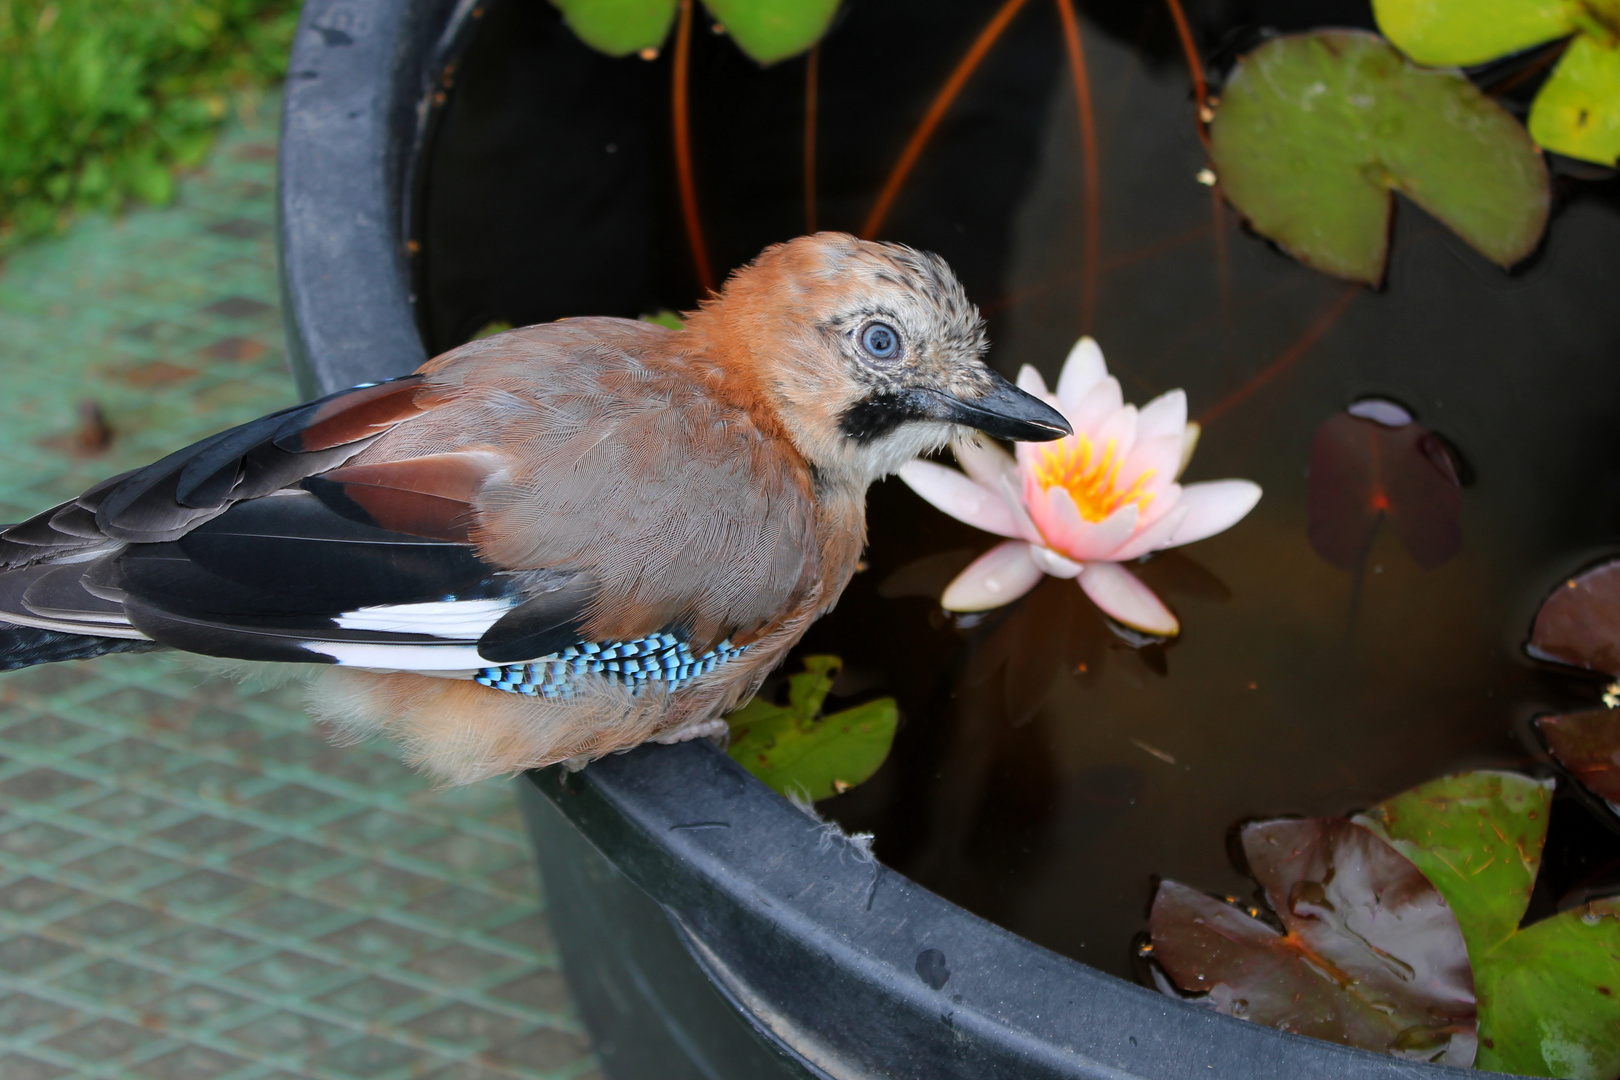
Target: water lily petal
{"points": [[1124, 598], [999, 576], [1096, 406], [1030, 382], [960, 497], [1052, 563], [1189, 443], [1083, 369], [1120, 430], [1164, 415], [1152, 537], [1159, 455], [1017, 506], [1213, 507], [1073, 536], [984, 461]]}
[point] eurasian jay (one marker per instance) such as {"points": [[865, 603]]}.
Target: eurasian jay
{"points": [[545, 545]]}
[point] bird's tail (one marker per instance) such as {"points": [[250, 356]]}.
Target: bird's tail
{"points": [[25, 646]]}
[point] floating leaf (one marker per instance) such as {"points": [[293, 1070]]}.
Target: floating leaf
{"points": [[1588, 745], [619, 27], [795, 750], [1579, 623], [1372, 956], [1462, 33], [1379, 465], [1549, 994], [665, 318], [772, 30], [1577, 111], [1315, 130]]}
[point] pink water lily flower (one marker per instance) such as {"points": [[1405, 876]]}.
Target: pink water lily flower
{"points": [[1080, 506]]}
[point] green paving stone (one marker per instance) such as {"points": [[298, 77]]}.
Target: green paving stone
{"points": [[196, 885]]}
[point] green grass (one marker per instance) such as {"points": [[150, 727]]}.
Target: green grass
{"points": [[103, 101]]}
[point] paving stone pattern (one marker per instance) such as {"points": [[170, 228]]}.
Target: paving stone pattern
{"points": [[194, 885]]}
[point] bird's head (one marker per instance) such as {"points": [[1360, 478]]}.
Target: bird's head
{"points": [[868, 354]]}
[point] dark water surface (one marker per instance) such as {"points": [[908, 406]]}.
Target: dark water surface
{"points": [[1047, 771]]}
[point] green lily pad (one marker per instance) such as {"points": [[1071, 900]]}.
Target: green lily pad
{"points": [[619, 27], [1461, 33], [1549, 994], [1577, 113], [1315, 131], [772, 30], [795, 750]]}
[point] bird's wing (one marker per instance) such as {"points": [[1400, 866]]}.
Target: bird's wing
{"points": [[515, 497]]}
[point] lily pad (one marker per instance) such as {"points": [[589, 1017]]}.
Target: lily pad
{"points": [[1579, 623], [1549, 994], [619, 27], [772, 30], [1372, 955], [1588, 745], [1316, 130], [1365, 471], [767, 30], [795, 750], [1577, 111]]}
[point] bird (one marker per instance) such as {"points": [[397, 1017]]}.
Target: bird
{"points": [[548, 544]]}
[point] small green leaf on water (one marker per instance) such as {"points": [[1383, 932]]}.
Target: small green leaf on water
{"points": [[1577, 113], [1549, 994], [772, 30], [794, 749], [1461, 33], [1315, 130], [490, 329], [619, 27], [664, 317]]}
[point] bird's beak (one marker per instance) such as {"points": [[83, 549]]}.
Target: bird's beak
{"points": [[1003, 411]]}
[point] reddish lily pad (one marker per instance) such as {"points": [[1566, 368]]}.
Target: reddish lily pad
{"points": [[1588, 745], [1549, 994], [1579, 623], [1365, 471], [1316, 130], [1372, 955]]}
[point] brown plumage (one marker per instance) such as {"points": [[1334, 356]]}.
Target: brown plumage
{"points": [[588, 481]]}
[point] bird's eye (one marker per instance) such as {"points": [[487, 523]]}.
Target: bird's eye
{"points": [[880, 340]]}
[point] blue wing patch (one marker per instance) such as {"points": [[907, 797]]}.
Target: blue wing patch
{"points": [[655, 660]]}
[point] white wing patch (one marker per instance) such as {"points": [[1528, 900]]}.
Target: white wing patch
{"points": [[453, 620], [366, 654]]}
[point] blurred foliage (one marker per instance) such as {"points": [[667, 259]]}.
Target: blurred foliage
{"points": [[1316, 130], [767, 30], [101, 101], [1577, 111], [796, 750]]}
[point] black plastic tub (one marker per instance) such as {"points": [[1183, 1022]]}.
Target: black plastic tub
{"points": [[708, 928]]}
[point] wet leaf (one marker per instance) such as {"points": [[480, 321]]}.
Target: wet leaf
{"points": [[1577, 111], [1588, 745], [1315, 130], [1548, 1003], [1366, 471], [619, 27], [1478, 837], [794, 749], [1579, 623], [1372, 955], [1461, 33], [772, 30]]}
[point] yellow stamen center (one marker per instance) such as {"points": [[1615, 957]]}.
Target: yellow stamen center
{"points": [[1092, 478]]}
